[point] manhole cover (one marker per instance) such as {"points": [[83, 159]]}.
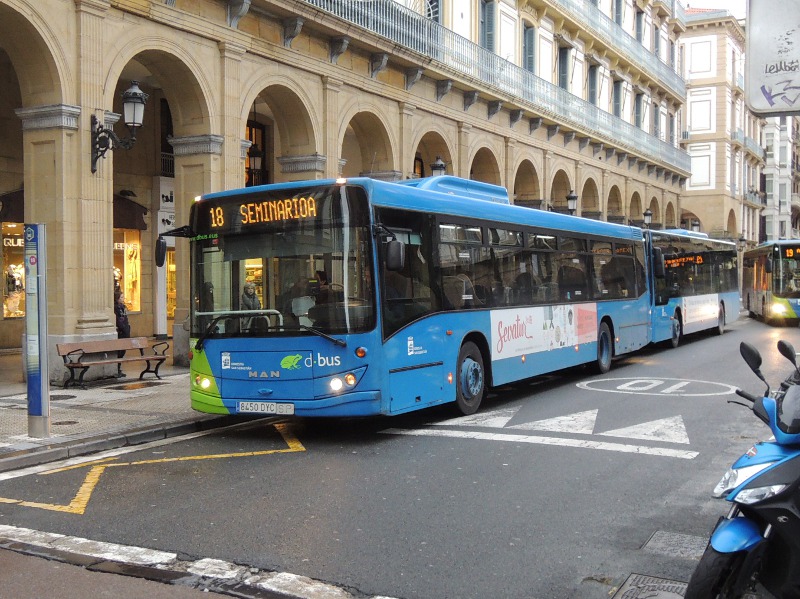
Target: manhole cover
{"points": [[65, 422], [60, 397], [640, 586]]}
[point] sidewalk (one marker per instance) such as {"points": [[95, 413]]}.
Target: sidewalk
{"points": [[106, 415]]}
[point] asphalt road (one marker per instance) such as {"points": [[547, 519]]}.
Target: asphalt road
{"points": [[561, 487]]}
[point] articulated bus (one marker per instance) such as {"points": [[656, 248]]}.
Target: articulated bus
{"points": [[771, 281], [382, 298], [699, 288]]}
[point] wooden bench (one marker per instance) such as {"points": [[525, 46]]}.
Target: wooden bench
{"points": [[82, 355]]}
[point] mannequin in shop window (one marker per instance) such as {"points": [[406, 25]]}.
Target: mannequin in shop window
{"points": [[123, 326]]}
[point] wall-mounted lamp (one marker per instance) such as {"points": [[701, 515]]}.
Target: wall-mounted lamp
{"points": [[572, 202], [438, 167], [648, 217], [742, 243], [255, 154], [696, 226], [133, 101]]}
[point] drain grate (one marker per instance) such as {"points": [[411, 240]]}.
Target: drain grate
{"points": [[641, 586], [673, 544], [61, 397], [136, 385], [65, 422]]}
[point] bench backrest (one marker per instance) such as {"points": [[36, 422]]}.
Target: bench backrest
{"points": [[103, 345]]}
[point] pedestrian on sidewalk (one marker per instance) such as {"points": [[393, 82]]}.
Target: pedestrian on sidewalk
{"points": [[123, 326]]}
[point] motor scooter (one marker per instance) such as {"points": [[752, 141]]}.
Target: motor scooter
{"points": [[758, 542]]}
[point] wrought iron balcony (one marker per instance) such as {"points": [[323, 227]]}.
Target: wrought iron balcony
{"points": [[470, 61]]}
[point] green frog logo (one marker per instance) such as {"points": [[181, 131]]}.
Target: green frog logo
{"points": [[291, 362]]}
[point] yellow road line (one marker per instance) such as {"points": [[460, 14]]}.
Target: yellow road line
{"points": [[98, 467]]}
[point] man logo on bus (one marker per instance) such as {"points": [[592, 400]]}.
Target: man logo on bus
{"points": [[291, 362]]}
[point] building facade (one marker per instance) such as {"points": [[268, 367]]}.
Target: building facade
{"points": [[545, 97], [781, 216], [725, 193]]}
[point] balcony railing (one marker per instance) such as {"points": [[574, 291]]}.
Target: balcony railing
{"points": [[615, 36], [456, 53], [753, 146]]}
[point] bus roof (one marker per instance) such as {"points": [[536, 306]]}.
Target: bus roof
{"points": [[455, 197]]}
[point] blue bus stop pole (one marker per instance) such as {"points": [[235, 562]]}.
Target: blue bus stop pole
{"points": [[36, 364]]}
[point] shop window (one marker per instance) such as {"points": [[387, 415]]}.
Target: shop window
{"points": [[171, 284], [128, 267], [13, 263]]}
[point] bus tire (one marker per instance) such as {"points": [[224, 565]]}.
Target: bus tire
{"points": [[721, 320], [605, 349], [470, 379], [677, 331]]}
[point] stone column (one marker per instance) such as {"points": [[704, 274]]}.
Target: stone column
{"points": [[198, 165], [461, 164], [511, 150], [50, 143], [405, 162], [330, 91], [232, 126]]}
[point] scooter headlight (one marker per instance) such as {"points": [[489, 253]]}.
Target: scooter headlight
{"points": [[749, 496], [735, 477]]}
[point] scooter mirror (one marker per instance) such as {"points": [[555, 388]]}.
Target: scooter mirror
{"points": [[751, 357], [787, 351]]}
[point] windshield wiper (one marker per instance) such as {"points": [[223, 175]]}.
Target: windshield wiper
{"points": [[209, 329], [339, 342]]}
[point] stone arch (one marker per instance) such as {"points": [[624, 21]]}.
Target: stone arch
{"points": [[485, 167], [670, 221], [430, 146], [635, 208], [730, 225], [527, 190], [41, 65], [560, 187], [589, 200], [657, 218], [180, 75], [292, 144], [366, 148], [615, 212]]}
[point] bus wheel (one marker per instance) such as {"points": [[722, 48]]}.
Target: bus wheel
{"points": [[677, 331], [605, 349], [471, 381], [721, 321]]}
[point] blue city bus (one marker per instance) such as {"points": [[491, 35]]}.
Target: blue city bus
{"points": [[771, 282], [696, 287], [382, 298]]}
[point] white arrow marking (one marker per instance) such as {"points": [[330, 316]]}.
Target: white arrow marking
{"points": [[580, 422], [493, 419], [670, 430], [578, 443]]}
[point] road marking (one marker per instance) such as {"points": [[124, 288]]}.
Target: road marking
{"points": [[493, 419], [670, 430], [659, 387], [98, 467], [580, 443], [580, 423]]}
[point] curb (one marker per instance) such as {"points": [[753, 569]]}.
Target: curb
{"points": [[35, 456]]}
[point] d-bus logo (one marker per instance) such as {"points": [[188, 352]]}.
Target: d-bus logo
{"points": [[294, 362], [661, 387]]}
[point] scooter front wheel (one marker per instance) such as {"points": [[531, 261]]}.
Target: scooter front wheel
{"points": [[715, 576]]}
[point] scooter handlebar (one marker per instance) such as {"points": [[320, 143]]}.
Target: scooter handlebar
{"points": [[747, 396]]}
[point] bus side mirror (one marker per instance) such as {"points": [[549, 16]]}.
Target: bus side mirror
{"points": [[395, 255], [161, 251], [768, 265], [658, 263]]}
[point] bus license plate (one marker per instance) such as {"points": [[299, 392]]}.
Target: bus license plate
{"points": [[266, 407]]}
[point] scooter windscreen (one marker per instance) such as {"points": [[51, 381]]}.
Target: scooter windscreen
{"points": [[789, 412]]}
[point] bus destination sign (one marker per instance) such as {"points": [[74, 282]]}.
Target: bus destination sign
{"points": [[792, 252], [253, 213]]}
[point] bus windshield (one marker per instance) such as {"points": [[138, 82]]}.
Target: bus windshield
{"points": [[786, 272], [276, 263]]}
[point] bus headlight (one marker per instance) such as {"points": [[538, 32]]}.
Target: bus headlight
{"points": [[778, 309], [336, 384], [202, 381]]}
